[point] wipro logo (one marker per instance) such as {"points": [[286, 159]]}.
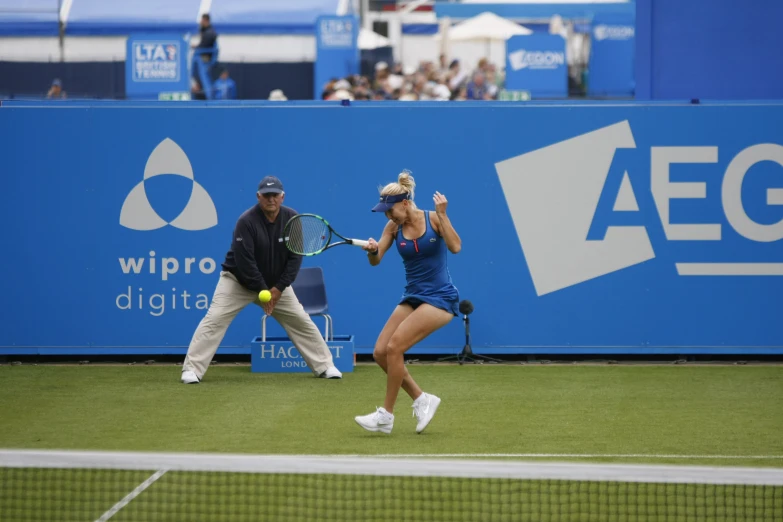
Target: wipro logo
{"points": [[553, 194], [169, 182], [168, 159]]}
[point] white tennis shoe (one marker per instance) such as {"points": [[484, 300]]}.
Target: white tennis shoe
{"points": [[331, 373], [424, 409], [190, 377], [381, 420]]}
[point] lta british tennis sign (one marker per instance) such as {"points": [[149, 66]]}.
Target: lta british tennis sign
{"points": [[579, 217], [155, 64]]}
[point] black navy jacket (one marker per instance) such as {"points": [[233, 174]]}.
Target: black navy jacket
{"points": [[258, 257]]}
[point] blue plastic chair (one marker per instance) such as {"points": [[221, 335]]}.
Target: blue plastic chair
{"points": [[310, 289]]}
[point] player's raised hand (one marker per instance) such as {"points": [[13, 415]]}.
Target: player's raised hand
{"points": [[440, 203]]}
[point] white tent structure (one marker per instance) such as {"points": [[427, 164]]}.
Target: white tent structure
{"points": [[485, 27], [372, 40]]}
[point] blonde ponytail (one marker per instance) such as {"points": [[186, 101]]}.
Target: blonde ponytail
{"points": [[406, 182], [405, 185]]}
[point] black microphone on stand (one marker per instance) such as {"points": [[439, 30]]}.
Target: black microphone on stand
{"points": [[466, 308]]}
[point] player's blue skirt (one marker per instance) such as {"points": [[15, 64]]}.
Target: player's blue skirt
{"points": [[448, 303]]}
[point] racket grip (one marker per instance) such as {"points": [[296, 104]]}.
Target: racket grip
{"points": [[360, 242]]}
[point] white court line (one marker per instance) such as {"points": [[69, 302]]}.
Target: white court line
{"points": [[557, 455], [130, 496]]}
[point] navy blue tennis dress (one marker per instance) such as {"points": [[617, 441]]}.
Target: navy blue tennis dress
{"points": [[426, 270]]}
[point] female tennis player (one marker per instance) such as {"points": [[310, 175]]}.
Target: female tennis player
{"points": [[430, 299]]}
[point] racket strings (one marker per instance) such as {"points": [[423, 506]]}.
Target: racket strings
{"points": [[307, 235]]}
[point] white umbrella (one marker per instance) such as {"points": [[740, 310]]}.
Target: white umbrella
{"points": [[372, 40], [486, 26]]}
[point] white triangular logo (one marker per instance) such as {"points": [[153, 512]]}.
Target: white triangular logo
{"points": [[199, 213], [168, 158], [137, 213]]}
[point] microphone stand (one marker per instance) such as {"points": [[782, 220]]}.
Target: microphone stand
{"points": [[467, 353]]}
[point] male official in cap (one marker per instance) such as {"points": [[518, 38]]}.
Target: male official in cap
{"points": [[259, 260]]}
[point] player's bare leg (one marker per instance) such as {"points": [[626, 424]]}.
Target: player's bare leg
{"points": [[418, 325], [411, 330], [400, 313]]}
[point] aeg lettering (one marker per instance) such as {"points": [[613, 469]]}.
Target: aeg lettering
{"points": [[664, 190], [578, 216]]}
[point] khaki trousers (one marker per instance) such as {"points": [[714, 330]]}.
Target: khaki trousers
{"points": [[229, 299]]}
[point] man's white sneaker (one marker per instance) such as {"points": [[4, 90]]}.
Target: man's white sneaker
{"points": [[424, 409], [189, 377], [381, 420], [332, 373]]}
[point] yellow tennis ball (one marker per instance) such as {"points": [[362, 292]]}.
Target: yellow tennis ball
{"points": [[264, 296]]}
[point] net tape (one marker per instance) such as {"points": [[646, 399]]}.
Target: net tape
{"points": [[389, 466], [101, 486]]}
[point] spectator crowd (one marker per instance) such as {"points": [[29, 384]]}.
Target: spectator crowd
{"points": [[443, 81]]}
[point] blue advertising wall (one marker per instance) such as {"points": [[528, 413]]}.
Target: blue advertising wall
{"points": [[709, 49], [612, 48], [586, 228], [336, 50]]}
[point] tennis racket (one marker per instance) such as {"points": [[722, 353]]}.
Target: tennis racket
{"points": [[309, 235]]}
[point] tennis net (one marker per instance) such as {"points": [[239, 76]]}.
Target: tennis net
{"points": [[101, 486]]}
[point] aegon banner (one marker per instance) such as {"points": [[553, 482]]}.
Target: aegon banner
{"points": [[337, 50], [625, 228], [612, 49], [156, 64], [537, 63]]}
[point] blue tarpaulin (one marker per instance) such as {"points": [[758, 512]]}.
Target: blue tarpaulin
{"points": [[269, 16], [122, 17], [99, 17], [533, 11], [29, 18]]}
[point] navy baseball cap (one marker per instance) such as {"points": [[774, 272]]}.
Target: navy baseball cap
{"points": [[388, 202], [270, 184]]}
